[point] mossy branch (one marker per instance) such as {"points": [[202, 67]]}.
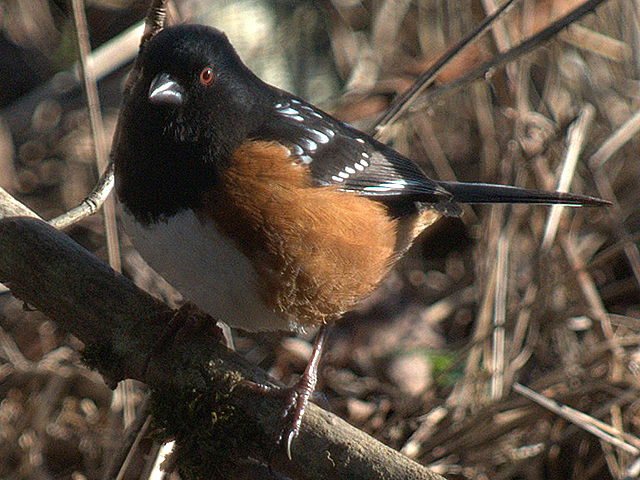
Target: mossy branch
{"points": [[192, 377]]}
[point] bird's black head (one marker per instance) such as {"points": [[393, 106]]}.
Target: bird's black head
{"points": [[191, 105], [194, 79]]}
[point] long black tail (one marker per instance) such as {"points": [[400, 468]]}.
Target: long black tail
{"points": [[490, 193]]}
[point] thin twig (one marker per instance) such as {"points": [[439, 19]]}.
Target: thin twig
{"points": [[481, 331], [633, 471], [596, 42], [135, 447], [401, 104], [93, 202], [597, 163], [576, 140], [595, 302], [126, 443], [113, 54], [631, 250], [11, 351], [615, 142], [584, 421], [499, 313], [89, 205], [502, 58], [386, 25], [97, 130], [154, 22], [501, 37], [10, 207], [165, 451], [483, 107]]}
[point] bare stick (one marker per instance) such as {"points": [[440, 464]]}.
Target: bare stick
{"points": [[424, 80], [498, 60], [499, 314], [598, 43], [576, 139], [115, 53], [10, 207], [597, 163], [154, 22], [89, 205], [97, 130], [501, 36], [592, 425], [593, 298], [616, 140]]}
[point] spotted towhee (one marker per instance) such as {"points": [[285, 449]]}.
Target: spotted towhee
{"points": [[262, 209]]}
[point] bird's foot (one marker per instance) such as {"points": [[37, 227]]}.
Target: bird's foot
{"points": [[295, 400], [296, 397]]}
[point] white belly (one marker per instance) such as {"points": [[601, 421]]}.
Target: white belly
{"points": [[205, 267]]}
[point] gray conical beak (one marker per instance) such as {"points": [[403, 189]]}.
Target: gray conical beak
{"points": [[166, 91]]}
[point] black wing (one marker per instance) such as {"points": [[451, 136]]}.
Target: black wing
{"points": [[338, 154]]}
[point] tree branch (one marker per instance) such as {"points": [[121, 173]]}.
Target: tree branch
{"points": [[192, 377]]}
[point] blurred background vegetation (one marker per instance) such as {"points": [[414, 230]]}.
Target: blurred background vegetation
{"points": [[427, 364]]}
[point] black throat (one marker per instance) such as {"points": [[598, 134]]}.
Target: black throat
{"points": [[161, 170]]}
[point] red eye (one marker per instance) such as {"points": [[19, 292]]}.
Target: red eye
{"points": [[206, 76]]}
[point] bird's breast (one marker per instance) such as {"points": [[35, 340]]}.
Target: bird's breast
{"points": [[206, 267]]}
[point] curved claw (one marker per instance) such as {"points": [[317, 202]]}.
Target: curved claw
{"points": [[290, 437], [293, 412]]}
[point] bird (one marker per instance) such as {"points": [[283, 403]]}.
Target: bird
{"points": [[262, 209]]}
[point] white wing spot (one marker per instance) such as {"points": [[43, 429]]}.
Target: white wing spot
{"points": [[376, 188], [349, 170], [343, 174], [328, 132], [289, 111], [337, 179], [385, 187], [365, 155], [278, 105], [296, 149], [360, 140], [364, 163], [319, 137], [306, 159], [294, 102], [308, 145], [358, 167]]}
